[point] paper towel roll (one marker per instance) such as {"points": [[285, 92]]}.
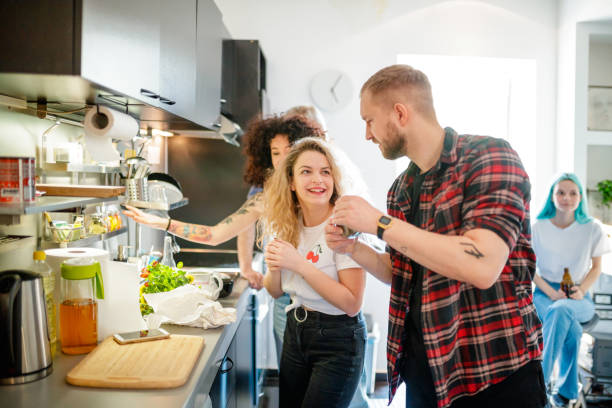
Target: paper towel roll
{"points": [[56, 256], [120, 311], [103, 124]]}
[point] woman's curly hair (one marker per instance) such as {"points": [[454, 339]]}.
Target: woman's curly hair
{"points": [[257, 143]]}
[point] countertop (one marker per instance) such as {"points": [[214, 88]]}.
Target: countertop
{"points": [[53, 391]]}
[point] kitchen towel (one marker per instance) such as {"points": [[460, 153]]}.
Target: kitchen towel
{"points": [[187, 305], [103, 124]]}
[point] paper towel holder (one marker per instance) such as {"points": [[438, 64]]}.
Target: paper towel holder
{"points": [[109, 98]]}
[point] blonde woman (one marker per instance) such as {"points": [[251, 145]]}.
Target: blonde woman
{"points": [[324, 339]]}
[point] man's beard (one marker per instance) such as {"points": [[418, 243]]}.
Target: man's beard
{"points": [[394, 148]]}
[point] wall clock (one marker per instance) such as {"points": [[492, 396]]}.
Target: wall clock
{"points": [[331, 90]]}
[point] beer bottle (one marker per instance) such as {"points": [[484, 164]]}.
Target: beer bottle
{"points": [[566, 282]]}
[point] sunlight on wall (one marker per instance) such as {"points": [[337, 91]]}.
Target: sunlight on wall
{"points": [[483, 96]]}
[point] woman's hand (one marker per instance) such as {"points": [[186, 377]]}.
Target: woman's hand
{"points": [[576, 293], [338, 242], [557, 295], [255, 278], [282, 255], [147, 219]]}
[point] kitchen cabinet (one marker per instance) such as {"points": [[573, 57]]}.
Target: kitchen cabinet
{"points": [[236, 382], [120, 45], [243, 81], [246, 357], [222, 392], [178, 57], [146, 49], [209, 43], [158, 60]]}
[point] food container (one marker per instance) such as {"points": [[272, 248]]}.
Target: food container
{"points": [[17, 180], [81, 285], [97, 224], [66, 233]]}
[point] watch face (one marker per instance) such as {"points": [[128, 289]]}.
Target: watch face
{"points": [[384, 220], [331, 90]]}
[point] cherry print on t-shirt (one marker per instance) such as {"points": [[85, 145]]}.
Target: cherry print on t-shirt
{"points": [[313, 255]]}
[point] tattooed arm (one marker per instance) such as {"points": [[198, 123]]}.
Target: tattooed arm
{"points": [[227, 229], [477, 257]]}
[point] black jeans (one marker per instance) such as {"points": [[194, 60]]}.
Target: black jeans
{"points": [[322, 359], [523, 389]]}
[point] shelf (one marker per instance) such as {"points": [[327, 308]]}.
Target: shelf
{"points": [[93, 168], [599, 137], [88, 241], [50, 203], [156, 206], [78, 168], [12, 242]]}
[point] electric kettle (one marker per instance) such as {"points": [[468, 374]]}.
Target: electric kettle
{"points": [[25, 354]]}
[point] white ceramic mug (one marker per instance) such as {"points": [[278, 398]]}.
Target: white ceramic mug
{"points": [[210, 282]]}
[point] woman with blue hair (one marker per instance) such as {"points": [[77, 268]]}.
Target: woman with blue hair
{"points": [[565, 236]]}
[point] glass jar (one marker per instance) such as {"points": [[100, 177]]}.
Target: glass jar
{"points": [[97, 224], [81, 278]]}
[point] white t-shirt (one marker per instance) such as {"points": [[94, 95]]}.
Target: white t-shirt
{"points": [[313, 247], [571, 247]]}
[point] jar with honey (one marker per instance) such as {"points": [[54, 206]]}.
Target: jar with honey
{"points": [[81, 279]]}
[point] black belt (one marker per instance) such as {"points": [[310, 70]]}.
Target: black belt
{"points": [[300, 314]]}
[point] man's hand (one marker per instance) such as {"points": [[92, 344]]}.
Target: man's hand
{"points": [[282, 255], [147, 219], [356, 213], [336, 241], [255, 278]]}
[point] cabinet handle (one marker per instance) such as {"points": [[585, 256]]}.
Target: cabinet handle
{"points": [[148, 93], [228, 369], [166, 101]]}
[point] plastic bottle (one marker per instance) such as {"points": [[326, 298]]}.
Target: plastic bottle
{"points": [[168, 258], [42, 267]]}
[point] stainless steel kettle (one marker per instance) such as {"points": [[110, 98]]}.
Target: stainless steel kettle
{"points": [[25, 354]]}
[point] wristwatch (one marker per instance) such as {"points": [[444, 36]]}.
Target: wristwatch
{"points": [[384, 222]]}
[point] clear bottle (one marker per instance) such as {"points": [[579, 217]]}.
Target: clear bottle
{"points": [[168, 258], [41, 267]]}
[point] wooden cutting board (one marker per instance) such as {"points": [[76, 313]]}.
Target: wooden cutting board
{"points": [[151, 364], [71, 190]]}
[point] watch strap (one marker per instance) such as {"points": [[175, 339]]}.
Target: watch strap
{"points": [[381, 226]]}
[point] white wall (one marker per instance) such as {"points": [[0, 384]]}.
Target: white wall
{"points": [[572, 79], [359, 37], [20, 135]]}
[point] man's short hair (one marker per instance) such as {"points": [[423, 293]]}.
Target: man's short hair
{"points": [[402, 79]]}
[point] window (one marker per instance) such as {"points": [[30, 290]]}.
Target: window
{"points": [[483, 96]]}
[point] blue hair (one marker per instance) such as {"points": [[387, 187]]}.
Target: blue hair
{"points": [[581, 214]]}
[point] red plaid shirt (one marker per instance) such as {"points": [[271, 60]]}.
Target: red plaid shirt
{"points": [[473, 338]]}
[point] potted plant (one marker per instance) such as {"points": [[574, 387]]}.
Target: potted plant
{"points": [[605, 189]]}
